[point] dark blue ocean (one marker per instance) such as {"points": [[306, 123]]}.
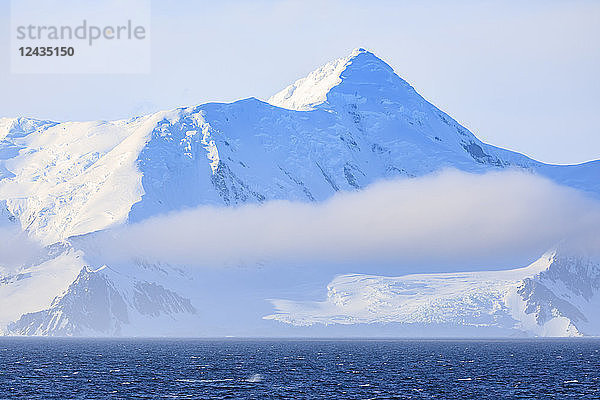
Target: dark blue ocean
{"points": [[298, 369]]}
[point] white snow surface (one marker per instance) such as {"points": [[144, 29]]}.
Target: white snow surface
{"points": [[35, 287], [307, 92], [482, 299], [73, 178]]}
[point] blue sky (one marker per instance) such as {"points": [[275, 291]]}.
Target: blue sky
{"points": [[521, 76]]}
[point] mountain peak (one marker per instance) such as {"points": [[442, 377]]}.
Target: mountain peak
{"points": [[308, 92], [358, 51]]}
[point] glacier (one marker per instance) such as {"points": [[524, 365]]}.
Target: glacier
{"points": [[350, 123], [557, 295]]}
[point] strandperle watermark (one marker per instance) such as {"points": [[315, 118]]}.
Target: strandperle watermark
{"points": [[84, 31], [73, 36]]}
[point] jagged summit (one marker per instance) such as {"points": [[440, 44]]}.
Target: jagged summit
{"points": [[360, 70]]}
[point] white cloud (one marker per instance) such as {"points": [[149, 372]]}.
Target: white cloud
{"points": [[449, 216]]}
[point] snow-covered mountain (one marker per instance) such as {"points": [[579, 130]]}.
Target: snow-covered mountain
{"points": [[344, 126]]}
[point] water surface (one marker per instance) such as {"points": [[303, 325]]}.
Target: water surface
{"points": [[298, 369]]}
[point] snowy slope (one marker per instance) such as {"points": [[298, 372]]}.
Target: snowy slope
{"points": [[71, 178], [34, 286], [346, 125], [554, 296], [106, 302]]}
